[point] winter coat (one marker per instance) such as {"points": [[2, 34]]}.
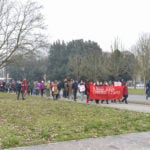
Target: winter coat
{"points": [[42, 86], [55, 89], [47, 86], [125, 90], [25, 87], [75, 86], [81, 87], [87, 87], [70, 88], [59, 86], [147, 87]]}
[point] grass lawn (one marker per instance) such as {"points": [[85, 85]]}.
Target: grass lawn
{"points": [[136, 91], [39, 120]]}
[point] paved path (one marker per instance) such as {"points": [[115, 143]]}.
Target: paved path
{"points": [[138, 98], [134, 141], [134, 107], [130, 106]]}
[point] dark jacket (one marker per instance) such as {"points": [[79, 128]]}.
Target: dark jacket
{"points": [[148, 87], [87, 89], [75, 86]]}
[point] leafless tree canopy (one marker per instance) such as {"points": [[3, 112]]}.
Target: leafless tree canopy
{"points": [[143, 55], [21, 29]]}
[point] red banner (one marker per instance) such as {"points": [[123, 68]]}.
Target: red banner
{"points": [[106, 92]]}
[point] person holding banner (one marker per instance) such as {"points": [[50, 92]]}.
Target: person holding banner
{"points": [[87, 91], [125, 93], [105, 85], [97, 84]]}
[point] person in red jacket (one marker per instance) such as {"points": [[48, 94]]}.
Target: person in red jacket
{"points": [[25, 87], [125, 93]]}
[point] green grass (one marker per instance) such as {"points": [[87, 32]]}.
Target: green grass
{"points": [[137, 91], [38, 120]]}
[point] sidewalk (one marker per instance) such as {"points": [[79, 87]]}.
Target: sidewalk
{"points": [[132, 107], [133, 141]]}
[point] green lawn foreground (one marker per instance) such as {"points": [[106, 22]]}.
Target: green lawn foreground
{"points": [[40, 120]]}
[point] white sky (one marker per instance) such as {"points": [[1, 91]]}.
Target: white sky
{"points": [[97, 20]]}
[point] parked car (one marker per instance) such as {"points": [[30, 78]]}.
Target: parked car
{"points": [[140, 85]]}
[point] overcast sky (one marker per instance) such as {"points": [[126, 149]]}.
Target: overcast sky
{"points": [[97, 20]]}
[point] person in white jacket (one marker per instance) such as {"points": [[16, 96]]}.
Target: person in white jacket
{"points": [[82, 89]]}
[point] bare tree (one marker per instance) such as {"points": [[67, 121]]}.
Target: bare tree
{"points": [[117, 45], [143, 54], [21, 29], [136, 67], [88, 66]]}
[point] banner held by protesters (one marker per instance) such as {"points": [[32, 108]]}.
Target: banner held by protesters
{"points": [[106, 92]]}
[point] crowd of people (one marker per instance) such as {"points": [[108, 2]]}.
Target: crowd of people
{"points": [[57, 89]]}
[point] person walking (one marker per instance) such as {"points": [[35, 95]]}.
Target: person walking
{"points": [[25, 88], [35, 88], [65, 88], [87, 89], [75, 88], [52, 89], [125, 93], [42, 88], [81, 89], [48, 88], [148, 90], [105, 85], [32, 87], [70, 89], [97, 84], [20, 90], [55, 90], [59, 88]]}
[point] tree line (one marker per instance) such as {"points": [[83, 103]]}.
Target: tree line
{"points": [[77, 59]]}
